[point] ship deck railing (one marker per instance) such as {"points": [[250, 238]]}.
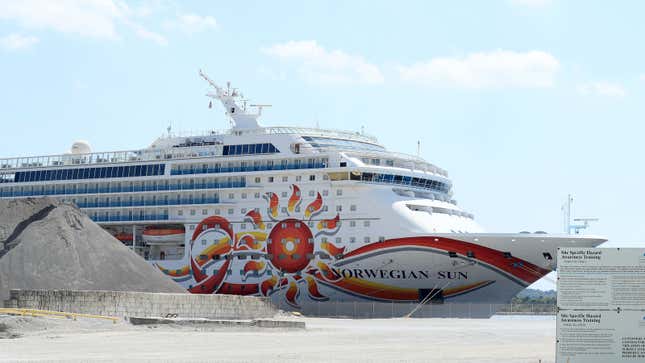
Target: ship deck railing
{"points": [[121, 189], [132, 218], [274, 130], [107, 158], [151, 154], [148, 203], [248, 168], [427, 184]]}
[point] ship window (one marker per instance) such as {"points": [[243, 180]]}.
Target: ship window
{"points": [[339, 208], [312, 177], [507, 255], [366, 223], [352, 239], [352, 223], [243, 149], [339, 192], [366, 240], [452, 254], [547, 256]]}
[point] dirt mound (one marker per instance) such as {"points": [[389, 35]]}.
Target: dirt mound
{"points": [[53, 245]]}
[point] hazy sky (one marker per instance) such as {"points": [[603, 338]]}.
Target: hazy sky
{"points": [[521, 101]]}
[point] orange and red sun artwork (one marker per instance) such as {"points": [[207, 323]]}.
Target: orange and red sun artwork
{"points": [[290, 255]]}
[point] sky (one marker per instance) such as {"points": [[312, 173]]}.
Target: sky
{"points": [[522, 101]]}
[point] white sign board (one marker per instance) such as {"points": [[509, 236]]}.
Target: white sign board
{"points": [[601, 305], [601, 278], [600, 336]]}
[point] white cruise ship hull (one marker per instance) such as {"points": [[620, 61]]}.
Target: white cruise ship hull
{"points": [[294, 263]]}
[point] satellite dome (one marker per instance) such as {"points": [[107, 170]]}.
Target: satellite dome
{"points": [[80, 147]]}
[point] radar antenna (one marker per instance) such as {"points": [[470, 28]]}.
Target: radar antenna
{"points": [[234, 104], [572, 228]]}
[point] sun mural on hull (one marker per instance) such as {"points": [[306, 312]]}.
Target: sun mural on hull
{"points": [[287, 257]]}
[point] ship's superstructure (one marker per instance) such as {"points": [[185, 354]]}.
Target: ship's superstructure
{"points": [[299, 214]]}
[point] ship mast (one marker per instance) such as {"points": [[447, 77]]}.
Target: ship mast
{"points": [[582, 223], [234, 104]]}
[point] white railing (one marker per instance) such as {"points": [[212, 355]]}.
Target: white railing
{"points": [[31, 162], [357, 136], [401, 160]]}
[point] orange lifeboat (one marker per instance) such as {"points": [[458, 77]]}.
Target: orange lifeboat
{"points": [[124, 237], [162, 236]]}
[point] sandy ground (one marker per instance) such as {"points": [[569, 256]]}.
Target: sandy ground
{"points": [[501, 339]]}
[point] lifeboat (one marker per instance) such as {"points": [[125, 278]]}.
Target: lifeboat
{"points": [[124, 237], [162, 236]]}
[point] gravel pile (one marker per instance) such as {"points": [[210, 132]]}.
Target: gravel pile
{"points": [[46, 244]]}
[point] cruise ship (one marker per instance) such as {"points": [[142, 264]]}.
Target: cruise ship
{"points": [[301, 215]]}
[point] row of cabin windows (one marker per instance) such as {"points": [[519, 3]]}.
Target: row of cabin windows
{"points": [[337, 240], [249, 165], [243, 226], [377, 161], [246, 149], [243, 211], [90, 173], [285, 179], [312, 193], [401, 179]]}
